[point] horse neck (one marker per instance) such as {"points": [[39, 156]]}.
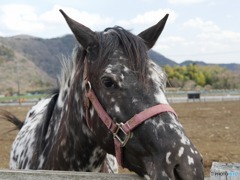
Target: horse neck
{"points": [[72, 146]]}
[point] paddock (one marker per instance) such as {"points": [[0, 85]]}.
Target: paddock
{"points": [[204, 122]]}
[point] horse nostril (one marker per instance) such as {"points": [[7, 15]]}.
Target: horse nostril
{"points": [[176, 172]]}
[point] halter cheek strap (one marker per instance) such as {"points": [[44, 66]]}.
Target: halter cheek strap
{"points": [[106, 119], [125, 129]]}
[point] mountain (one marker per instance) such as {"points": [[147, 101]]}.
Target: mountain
{"points": [[35, 62], [230, 66], [188, 62], [44, 53], [38, 61], [17, 72], [160, 59]]}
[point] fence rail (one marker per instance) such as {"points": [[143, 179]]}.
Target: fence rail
{"points": [[204, 99], [61, 175]]}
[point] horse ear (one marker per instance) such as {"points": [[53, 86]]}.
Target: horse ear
{"points": [[85, 36], [151, 34]]}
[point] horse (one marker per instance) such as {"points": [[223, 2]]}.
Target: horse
{"points": [[109, 108]]}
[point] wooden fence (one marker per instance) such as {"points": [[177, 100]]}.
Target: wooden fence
{"points": [[63, 175]]}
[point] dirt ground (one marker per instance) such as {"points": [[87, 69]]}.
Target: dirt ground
{"points": [[214, 128]]}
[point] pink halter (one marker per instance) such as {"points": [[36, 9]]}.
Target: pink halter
{"points": [[127, 127]]}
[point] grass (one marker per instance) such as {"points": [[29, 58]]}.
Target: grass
{"points": [[22, 98]]}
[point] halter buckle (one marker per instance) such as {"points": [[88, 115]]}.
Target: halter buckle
{"points": [[88, 86], [119, 129]]}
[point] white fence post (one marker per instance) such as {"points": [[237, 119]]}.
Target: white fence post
{"points": [[225, 171]]}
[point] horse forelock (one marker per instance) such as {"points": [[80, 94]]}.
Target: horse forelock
{"points": [[133, 47]]}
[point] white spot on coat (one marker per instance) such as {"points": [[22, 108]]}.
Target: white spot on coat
{"points": [[160, 97], [122, 77], [180, 152], [147, 177], [112, 164], [134, 100], [122, 58], [157, 124], [109, 69], [190, 160], [185, 140], [167, 157], [91, 112], [126, 69], [164, 174], [63, 142], [112, 100], [117, 109]]}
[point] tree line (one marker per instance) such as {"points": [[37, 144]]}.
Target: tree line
{"points": [[193, 76]]}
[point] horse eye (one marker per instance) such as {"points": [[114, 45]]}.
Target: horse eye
{"points": [[108, 82]]}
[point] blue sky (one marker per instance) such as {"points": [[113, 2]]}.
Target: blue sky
{"points": [[205, 30]]}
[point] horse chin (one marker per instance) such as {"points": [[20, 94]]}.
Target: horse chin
{"points": [[145, 167], [154, 172]]}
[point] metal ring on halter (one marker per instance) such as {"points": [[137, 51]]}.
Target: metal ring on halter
{"points": [[88, 86], [126, 137]]}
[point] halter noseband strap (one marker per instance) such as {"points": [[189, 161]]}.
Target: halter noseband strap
{"points": [[119, 128]]}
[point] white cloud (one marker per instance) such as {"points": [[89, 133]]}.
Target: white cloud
{"points": [[150, 17], [88, 19], [173, 39], [24, 19], [185, 1], [198, 23], [210, 31], [147, 1], [207, 41], [20, 18], [168, 43]]}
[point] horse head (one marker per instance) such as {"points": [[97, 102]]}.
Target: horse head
{"points": [[125, 82]]}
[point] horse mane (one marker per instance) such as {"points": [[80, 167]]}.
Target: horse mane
{"points": [[69, 67]]}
